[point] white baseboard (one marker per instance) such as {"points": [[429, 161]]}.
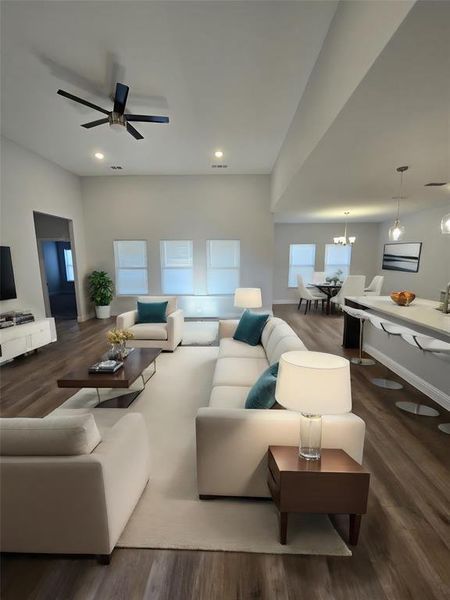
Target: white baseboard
{"points": [[424, 386], [82, 318], [285, 302]]}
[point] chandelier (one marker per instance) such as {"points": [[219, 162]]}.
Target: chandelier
{"points": [[343, 240]]}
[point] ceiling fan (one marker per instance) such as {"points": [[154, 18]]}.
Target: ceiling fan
{"points": [[117, 117]]}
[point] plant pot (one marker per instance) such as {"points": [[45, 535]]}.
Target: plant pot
{"points": [[103, 312]]}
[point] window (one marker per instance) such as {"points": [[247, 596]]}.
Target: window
{"points": [[337, 258], [131, 267], [223, 259], [302, 258], [177, 273], [68, 263]]}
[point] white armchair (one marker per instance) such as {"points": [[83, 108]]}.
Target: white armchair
{"points": [[166, 336]]}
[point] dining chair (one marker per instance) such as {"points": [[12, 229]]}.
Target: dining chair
{"points": [[375, 286], [352, 286], [308, 295]]}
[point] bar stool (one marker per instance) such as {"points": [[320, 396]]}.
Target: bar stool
{"points": [[363, 316], [391, 329], [426, 344]]}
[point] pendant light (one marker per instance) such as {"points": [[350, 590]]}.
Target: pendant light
{"points": [[343, 240], [397, 230], [445, 224]]}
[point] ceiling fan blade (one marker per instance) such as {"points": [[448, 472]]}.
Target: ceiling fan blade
{"points": [[120, 99], [147, 118], [95, 123], [134, 132], [81, 101]]}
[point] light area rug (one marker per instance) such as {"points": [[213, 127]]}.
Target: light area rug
{"points": [[200, 333], [169, 513]]}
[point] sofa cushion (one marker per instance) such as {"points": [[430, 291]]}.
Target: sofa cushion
{"points": [[280, 331], [233, 348], [239, 371], [286, 344], [52, 436], [171, 302], [152, 312], [262, 394], [227, 396], [250, 327], [149, 331], [268, 328]]}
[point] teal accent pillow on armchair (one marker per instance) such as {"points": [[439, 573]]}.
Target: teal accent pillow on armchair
{"points": [[250, 327], [152, 312], [262, 394]]}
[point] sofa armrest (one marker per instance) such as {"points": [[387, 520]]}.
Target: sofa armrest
{"points": [[124, 456], [227, 328], [232, 445], [175, 328], [126, 319]]}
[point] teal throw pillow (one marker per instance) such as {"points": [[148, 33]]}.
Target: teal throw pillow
{"points": [[262, 394], [152, 312], [250, 327]]}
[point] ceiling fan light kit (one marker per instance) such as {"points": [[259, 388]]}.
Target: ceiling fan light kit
{"points": [[343, 240], [397, 230], [117, 119]]}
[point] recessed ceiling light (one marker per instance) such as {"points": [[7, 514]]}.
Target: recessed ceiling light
{"points": [[99, 155], [218, 153]]}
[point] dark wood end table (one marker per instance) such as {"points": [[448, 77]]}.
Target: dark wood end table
{"points": [[335, 484], [133, 367]]}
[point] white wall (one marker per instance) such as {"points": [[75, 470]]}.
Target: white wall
{"points": [[31, 183], [191, 207], [434, 266], [364, 251]]}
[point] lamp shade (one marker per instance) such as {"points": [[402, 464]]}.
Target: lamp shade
{"points": [[314, 383], [248, 298]]}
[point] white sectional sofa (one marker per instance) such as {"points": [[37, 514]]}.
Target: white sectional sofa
{"points": [[69, 484], [232, 441], [166, 336]]}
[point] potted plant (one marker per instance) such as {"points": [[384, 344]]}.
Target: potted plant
{"points": [[101, 293]]}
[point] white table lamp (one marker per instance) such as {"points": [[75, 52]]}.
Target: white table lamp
{"points": [[314, 384], [248, 298]]}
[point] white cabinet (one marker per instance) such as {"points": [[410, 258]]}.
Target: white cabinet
{"points": [[19, 339]]}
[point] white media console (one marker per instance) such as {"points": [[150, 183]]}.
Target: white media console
{"points": [[20, 339]]}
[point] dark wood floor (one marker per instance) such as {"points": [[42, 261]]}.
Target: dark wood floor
{"points": [[403, 551]]}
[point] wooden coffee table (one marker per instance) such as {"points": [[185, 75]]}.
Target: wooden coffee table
{"points": [[335, 484], [133, 367]]}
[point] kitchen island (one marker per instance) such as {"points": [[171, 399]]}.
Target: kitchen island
{"points": [[428, 372]]}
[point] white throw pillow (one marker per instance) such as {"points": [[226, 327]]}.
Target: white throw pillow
{"points": [[52, 436]]}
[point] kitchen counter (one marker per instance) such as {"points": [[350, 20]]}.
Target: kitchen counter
{"points": [[422, 314], [426, 371]]}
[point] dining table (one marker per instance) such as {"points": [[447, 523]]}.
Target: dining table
{"points": [[330, 290]]}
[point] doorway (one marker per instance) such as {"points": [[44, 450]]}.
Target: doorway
{"points": [[57, 265]]}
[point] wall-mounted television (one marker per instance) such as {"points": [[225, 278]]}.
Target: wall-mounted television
{"points": [[7, 283]]}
